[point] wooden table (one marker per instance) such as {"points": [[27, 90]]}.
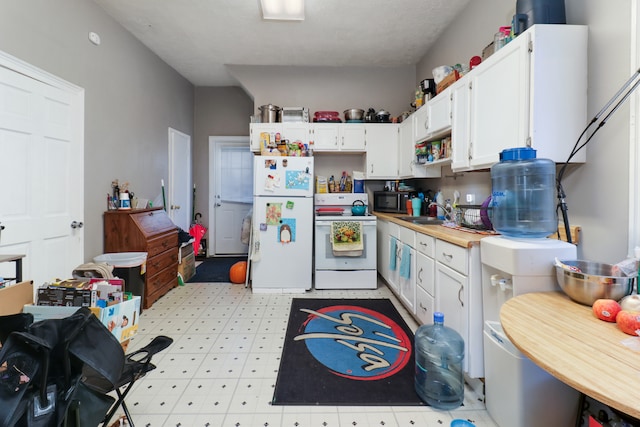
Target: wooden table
{"points": [[569, 342]]}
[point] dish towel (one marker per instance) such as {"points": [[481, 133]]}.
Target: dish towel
{"points": [[346, 238], [393, 248], [405, 262]]}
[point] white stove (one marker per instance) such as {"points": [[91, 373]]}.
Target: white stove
{"points": [[345, 244]]}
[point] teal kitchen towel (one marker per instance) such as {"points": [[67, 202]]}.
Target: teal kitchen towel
{"points": [[393, 243], [405, 262]]}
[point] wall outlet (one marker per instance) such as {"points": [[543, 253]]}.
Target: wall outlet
{"points": [[471, 199]]}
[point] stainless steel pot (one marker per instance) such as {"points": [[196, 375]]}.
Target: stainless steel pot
{"points": [[270, 113]]}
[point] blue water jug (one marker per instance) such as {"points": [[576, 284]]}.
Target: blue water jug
{"points": [[523, 194], [439, 351]]}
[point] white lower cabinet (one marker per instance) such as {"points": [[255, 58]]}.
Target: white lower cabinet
{"points": [[425, 278], [393, 253], [458, 294], [407, 281]]}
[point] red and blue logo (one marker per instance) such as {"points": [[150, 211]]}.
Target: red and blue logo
{"points": [[355, 342]]}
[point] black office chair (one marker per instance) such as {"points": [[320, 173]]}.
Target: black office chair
{"points": [[137, 365]]}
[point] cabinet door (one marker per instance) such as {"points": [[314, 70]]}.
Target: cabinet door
{"points": [[460, 125], [382, 151], [407, 285], [296, 132], [451, 299], [425, 273], [352, 137], [421, 124], [255, 129], [439, 112], [324, 136], [425, 306], [500, 103], [406, 148], [394, 254]]}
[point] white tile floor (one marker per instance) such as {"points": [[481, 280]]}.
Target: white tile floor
{"points": [[222, 367]]}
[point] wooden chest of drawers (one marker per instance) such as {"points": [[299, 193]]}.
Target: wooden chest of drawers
{"points": [[151, 231]]}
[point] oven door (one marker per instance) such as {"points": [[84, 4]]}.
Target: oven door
{"points": [[326, 260]]}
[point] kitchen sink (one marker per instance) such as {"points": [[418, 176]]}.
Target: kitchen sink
{"points": [[422, 220]]}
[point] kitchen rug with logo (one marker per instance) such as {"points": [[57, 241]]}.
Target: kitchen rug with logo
{"points": [[347, 352]]}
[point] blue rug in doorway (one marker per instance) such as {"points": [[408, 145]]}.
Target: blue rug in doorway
{"points": [[215, 270], [346, 352]]}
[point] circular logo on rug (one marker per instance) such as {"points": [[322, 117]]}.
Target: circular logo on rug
{"points": [[355, 342]]}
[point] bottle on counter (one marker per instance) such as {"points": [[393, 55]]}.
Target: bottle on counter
{"points": [[439, 351]]}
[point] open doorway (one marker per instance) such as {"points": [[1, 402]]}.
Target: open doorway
{"points": [[231, 197]]}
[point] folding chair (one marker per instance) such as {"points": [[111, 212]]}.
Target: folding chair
{"points": [[137, 365]]}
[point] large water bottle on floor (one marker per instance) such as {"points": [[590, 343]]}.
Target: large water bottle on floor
{"points": [[439, 351]]}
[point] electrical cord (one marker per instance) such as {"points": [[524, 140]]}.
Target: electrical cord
{"points": [[562, 205]]}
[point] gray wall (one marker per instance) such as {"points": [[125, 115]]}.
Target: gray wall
{"points": [[597, 191], [219, 111], [131, 96], [329, 88]]}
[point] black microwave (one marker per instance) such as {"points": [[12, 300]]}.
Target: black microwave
{"points": [[390, 201]]}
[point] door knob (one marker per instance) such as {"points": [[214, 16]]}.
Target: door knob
{"points": [[175, 207], [77, 224]]}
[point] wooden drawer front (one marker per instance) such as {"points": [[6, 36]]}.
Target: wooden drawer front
{"points": [[425, 306], [160, 284], [425, 244], [162, 261], [158, 245], [452, 256], [153, 222], [408, 236], [425, 273]]}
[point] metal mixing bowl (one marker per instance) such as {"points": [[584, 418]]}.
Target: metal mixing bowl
{"points": [[594, 281], [354, 114]]}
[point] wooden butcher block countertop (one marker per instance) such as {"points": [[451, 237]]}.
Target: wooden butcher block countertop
{"points": [[451, 235], [568, 341]]}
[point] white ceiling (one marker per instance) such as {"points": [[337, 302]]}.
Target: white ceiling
{"points": [[199, 38]]}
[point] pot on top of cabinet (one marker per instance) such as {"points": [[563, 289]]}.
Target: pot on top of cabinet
{"points": [[383, 116], [270, 113]]}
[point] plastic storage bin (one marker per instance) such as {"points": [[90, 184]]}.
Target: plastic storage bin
{"points": [[129, 266]]}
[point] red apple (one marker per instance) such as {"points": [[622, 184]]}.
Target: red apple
{"points": [[629, 322], [606, 309]]}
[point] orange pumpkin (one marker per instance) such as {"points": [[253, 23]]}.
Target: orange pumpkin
{"points": [[238, 272]]}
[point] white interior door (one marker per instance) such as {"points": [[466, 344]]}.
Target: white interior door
{"points": [[42, 158], [231, 193], [179, 187]]}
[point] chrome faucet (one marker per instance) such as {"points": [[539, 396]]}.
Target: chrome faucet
{"points": [[448, 210]]}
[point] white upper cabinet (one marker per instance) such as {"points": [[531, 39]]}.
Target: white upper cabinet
{"points": [[382, 151], [434, 117], [337, 136], [406, 148], [531, 93]]}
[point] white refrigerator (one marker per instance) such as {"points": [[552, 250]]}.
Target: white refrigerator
{"points": [[282, 237]]}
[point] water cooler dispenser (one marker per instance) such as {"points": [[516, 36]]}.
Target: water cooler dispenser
{"points": [[518, 392]]}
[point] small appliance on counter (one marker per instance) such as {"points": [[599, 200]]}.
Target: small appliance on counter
{"points": [[345, 242], [391, 201]]}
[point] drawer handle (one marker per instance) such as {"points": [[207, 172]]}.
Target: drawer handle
{"points": [[447, 257], [423, 244], [165, 244]]}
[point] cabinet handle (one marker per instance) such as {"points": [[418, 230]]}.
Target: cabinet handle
{"points": [[343, 141], [426, 123], [422, 307], [420, 275], [423, 244], [459, 299], [447, 257], [336, 143]]}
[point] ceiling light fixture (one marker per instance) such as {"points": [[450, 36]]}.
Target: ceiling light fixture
{"points": [[289, 10]]}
